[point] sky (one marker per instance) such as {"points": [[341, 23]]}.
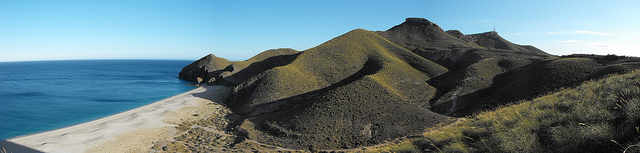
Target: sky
{"points": [[33, 30]]}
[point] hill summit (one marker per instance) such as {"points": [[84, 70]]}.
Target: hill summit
{"points": [[422, 34], [364, 87]]}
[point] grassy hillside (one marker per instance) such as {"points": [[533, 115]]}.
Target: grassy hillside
{"points": [[332, 62], [597, 116], [357, 89], [364, 88]]}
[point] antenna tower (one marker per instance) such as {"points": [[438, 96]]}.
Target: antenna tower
{"points": [[494, 33], [494, 27]]}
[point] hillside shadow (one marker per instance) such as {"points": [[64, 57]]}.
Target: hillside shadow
{"points": [[288, 107], [488, 99], [298, 118], [11, 147], [480, 99], [369, 67]]}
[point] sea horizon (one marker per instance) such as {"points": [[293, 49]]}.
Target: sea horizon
{"points": [[98, 59]]}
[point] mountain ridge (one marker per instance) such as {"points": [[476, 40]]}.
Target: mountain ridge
{"points": [[366, 87]]}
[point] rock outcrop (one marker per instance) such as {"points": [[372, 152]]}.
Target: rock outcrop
{"points": [[207, 68]]}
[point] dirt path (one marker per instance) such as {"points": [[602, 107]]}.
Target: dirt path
{"points": [[395, 141], [454, 97]]}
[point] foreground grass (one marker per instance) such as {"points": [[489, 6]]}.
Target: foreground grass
{"points": [[597, 116]]}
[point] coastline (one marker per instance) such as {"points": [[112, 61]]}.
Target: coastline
{"points": [[132, 130]]}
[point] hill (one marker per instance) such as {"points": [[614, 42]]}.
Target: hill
{"points": [[491, 40], [490, 71], [355, 90], [422, 34], [364, 88], [597, 116], [491, 82]]}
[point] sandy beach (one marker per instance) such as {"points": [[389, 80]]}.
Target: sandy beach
{"points": [[131, 131]]}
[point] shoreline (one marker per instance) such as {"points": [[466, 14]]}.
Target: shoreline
{"points": [[132, 130]]}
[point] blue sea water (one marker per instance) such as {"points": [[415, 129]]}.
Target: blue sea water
{"points": [[40, 96]]}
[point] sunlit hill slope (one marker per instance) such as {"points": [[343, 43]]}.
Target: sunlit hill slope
{"points": [[365, 88]]}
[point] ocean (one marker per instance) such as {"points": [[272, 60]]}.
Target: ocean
{"points": [[39, 96]]}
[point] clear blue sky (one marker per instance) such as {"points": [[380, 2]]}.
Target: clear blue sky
{"points": [[157, 29]]}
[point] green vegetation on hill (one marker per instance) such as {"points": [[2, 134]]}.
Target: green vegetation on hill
{"points": [[355, 90], [332, 62], [597, 116], [364, 88]]}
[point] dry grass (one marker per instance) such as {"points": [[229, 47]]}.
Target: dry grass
{"points": [[588, 118]]}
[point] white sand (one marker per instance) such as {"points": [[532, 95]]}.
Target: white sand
{"points": [[130, 131]]}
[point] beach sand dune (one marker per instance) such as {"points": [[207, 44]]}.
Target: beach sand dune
{"points": [[131, 131]]}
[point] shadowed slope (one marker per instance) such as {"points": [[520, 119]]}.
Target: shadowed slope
{"points": [[597, 116], [357, 89], [527, 81], [491, 40], [422, 34], [547, 76], [428, 40], [10, 147], [472, 77]]}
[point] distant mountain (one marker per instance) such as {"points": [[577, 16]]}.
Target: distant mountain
{"points": [[422, 34], [491, 40], [364, 88]]}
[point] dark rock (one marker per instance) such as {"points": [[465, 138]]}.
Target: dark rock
{"points": [[203, 67], [455, 33], [216, 70], [421, 21]]}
